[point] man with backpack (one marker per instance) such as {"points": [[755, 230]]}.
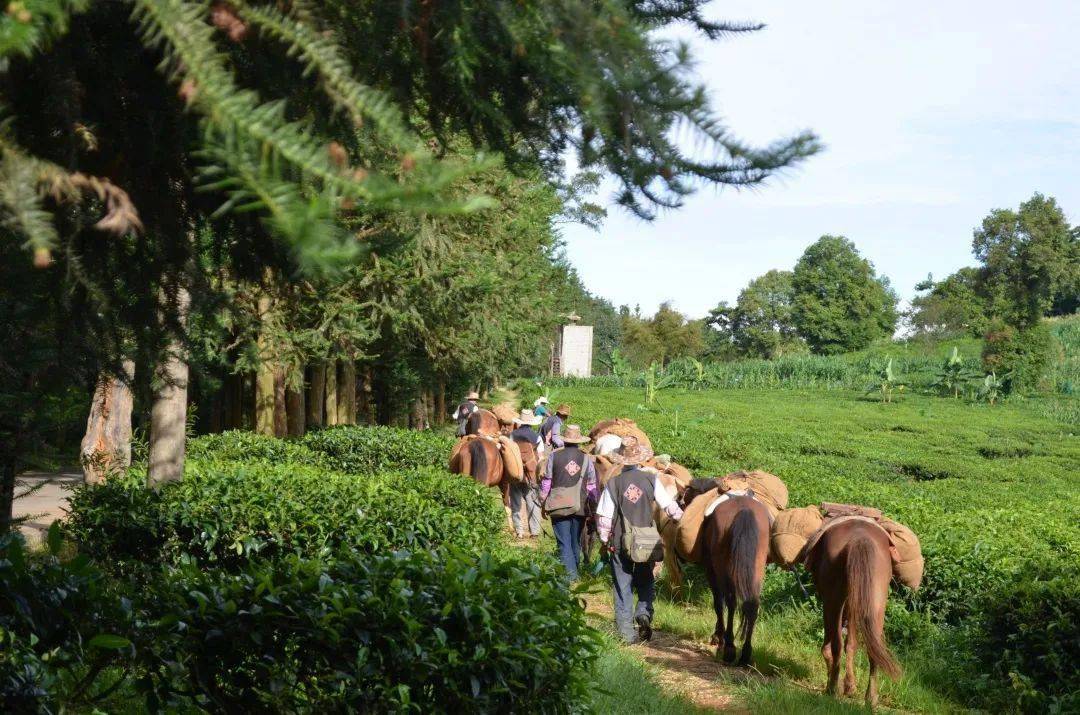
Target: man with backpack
{"points": [[551, 430], [567, 492], [526, 492], [626, 526]]}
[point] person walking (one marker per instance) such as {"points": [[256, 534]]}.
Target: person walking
{"points": [[630, 535], [551, 430], [568, 487], [540, 407], [465, 410], [527, 492]]}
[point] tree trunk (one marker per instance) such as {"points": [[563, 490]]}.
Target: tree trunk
{"points": [[363, 404], [346, 386], [106, 446], [168, 415], [331, 393], [419, 414], [316, 395], [234, 401], [264, 399], [281, 424], [7, 491], [440, 403], [294, 411]]}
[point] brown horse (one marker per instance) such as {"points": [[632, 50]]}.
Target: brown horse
{"points": [[851, 564], [735, 546], [482, 460], [482, 422]]}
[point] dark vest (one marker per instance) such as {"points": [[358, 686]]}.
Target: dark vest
{"points": [[466, 408], [568, 468], [524, 434], [632, 492]]}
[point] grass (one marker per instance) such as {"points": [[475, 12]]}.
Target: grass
{"points": [[990, 490], [624, 684]]}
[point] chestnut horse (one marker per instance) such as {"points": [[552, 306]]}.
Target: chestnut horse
{"points": [[852, 565], [482, 422], [735, 546], [482, 460]]}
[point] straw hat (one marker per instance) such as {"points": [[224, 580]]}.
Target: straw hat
{"points": [[527, 418], [474, 395], [573, 435], [563, 409], [631, 454]]}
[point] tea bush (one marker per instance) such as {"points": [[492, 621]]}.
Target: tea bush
{"points": [[225, 512], [361, 450], [390, 632]]}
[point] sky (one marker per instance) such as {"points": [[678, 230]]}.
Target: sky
{"points": [[932, 114]]}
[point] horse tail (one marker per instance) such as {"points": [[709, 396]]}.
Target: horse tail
{"points": [[861, 602], [478, 467], [744, 549]]}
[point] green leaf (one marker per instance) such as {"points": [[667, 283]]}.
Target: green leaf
{"points": [[108, 641]]}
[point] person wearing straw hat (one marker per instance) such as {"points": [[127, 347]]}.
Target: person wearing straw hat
{"points": [[540, 407], [627, 528], [551, 430], [464, 410], [526, 492], [567, 492]]}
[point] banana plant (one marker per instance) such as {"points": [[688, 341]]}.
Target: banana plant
{"points": [[992, 388], [953, 375], [886, 382]]}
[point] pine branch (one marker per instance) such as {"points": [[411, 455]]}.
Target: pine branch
{"points": [[26, 26]]}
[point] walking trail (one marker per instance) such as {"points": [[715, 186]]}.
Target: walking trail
{"points": [[46, 500]]}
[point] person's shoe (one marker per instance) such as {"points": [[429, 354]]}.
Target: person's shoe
{"points": [[644, 625], [519, 536]]}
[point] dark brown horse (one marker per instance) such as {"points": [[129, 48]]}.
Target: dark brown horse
{"points": [[735, 545], [482, 460], [482, 422], [852, 566]]}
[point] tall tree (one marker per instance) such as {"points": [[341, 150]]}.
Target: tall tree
{"points": [[840, 304], [664, 336], [761, 322]]}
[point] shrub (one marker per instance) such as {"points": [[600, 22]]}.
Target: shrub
{"points": [[389, 632], [361, 450], [249, 446], [1020, 358], [55, 618], [225, 512]]}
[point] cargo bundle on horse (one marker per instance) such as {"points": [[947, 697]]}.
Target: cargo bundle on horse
{"points": [[796, 531], [493, 461], [482, 422], [621, 427]]}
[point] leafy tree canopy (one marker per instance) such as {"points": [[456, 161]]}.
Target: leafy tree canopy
{"points": [[760, 324]]}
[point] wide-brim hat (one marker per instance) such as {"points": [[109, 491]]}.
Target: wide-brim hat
{"points": [[527, 417], [631, 454], [474, 395], [563, 409], [573, 435], [540, 401]]}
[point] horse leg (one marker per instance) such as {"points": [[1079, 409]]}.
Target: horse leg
{"points": [[729, 632], [749, 614], [717, 601], [504, 487], [851, 648], [871, 687], [830, 650]]}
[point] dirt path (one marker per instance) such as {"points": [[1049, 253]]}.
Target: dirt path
{"points": [[47, 501], [682, 666]]}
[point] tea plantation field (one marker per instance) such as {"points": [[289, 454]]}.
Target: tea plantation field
{"points": [[992, 491]]}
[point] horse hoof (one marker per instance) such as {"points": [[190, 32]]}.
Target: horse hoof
{"points": [[715, 640], [729, 654]]}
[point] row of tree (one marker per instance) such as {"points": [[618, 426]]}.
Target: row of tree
{"points": [[230, 203], [833, 301]]}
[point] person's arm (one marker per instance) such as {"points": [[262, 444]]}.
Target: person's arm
{"points": [[556, 435], [605, 514], [545, 483], [664, 500], [591, 485]]}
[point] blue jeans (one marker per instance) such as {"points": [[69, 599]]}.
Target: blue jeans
{"points": [[568, 534], [629, 577]]}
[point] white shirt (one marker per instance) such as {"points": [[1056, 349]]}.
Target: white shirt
{"points": [[605, 510]]}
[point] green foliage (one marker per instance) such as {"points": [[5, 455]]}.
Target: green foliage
{"points": [[55, 618], [386, 632], [992, 388], [761, 323], [284, 501], [664, 337], [954, 306], [1029, 256], [885, 381], [989, 492], [1021, 356], [839, 303], [953, 375], [363, 450]]}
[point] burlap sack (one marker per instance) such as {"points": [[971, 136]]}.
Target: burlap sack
{"points": [[790, 532], [687, 543], [909, 569], [768, 488], [513, 465], [504, 413], [622, 427]]}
